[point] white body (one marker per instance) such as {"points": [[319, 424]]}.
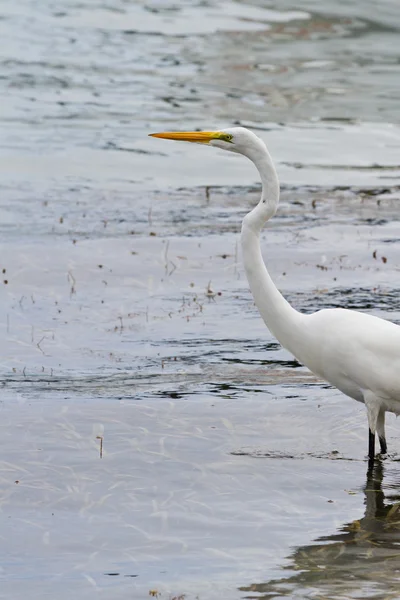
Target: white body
{"points": [[357, 353]]}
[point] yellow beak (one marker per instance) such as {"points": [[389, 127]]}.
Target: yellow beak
{"points": [[199, 137]]}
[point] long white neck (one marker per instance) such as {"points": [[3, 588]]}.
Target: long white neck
{"points": [[284, 322]]}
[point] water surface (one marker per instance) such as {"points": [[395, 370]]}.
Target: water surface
{"points": [[227, 470]]}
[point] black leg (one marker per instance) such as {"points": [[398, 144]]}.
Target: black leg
{"points": [[382, 441], [371, 447]]}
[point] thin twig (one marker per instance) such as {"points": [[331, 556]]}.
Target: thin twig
{"points": [[100, 437], [72, 279], [166, 257], [39, 342]]}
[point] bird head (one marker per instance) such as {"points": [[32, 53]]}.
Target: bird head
{"points": [[234, 139]]}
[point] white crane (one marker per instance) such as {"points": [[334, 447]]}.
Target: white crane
{"points": [[355, 352]]}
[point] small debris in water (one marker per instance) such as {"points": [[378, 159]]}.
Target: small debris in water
{"points": [[209, 292]]}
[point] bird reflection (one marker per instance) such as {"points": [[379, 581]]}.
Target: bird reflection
{"points": [[361, 560]]}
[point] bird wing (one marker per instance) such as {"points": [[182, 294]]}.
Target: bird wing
{"points": [[358, 352]]}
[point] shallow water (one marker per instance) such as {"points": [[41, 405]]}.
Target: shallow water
{"points": [[227, 469]]}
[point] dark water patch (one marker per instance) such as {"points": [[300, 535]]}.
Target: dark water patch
{"points": [[281, 455], [362, 299], [172, 394], [232, 390], [291, 364], [369, 168], [219, 345], [116, 574], [176, 378], [130, 32], [370, 221]]}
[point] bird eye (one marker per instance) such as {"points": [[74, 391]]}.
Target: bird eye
{"points": [[227, 137]]}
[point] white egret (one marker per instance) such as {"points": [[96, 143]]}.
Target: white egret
{"points": [[357, 353]]}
